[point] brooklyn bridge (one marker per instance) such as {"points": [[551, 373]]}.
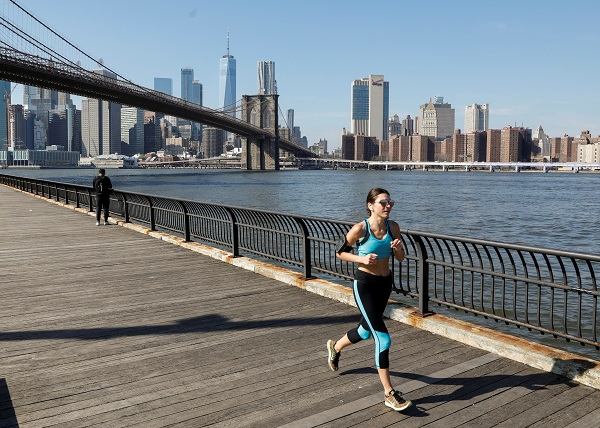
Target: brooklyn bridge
{"points": [[31, 61]]}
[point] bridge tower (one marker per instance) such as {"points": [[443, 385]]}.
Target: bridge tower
{"points": [[261, 152]]}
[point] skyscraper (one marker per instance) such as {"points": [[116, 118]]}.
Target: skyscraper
{"points": [[57, 128], [290, 119], [41, 100], [267, 84], [408, 127], [197, 96], [4, 125], [17, 127], [476, 118], [100, 125], [132, 130], [196, 92], [187, 77], [543, 141], [436, 119], [370, 107], [360, 107], [394, 126], [163, 84], [227, 82], [73, 128]]}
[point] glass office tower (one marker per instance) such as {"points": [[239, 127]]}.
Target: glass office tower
{"points": [[227, 97], [163, 84]]}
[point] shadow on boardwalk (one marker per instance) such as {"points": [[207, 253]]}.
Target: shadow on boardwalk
{"points": [[204, 323]]}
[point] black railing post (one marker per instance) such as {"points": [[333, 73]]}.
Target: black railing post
{"points": [[90, 203], [306, 253], [235, 235], [110, 211], [125, 208], [152, 220], [76, 197], [422, 276], [186, 222]]}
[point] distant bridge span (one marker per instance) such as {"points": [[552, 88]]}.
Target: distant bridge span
{"points": [[20, 67]]}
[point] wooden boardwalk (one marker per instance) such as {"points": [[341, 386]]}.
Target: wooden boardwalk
{"points": [[106, 327]]}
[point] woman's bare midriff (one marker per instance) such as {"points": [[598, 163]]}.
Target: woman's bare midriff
{"points": [[380, 268]]}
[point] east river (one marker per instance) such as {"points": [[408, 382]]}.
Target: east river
{"points": [[553, 210]]}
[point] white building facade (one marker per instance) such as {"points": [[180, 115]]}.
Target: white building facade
{"points": [[436, 119], [477, 118], [588, 153]]}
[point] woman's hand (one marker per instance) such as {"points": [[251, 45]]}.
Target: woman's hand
{"points": [[370, 259], [398, 249], [397, 244]]}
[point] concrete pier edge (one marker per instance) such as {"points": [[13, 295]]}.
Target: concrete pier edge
{"points": [[569, 365]]}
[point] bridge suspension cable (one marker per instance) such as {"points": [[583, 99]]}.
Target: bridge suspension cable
{"points": [[27, 40], [284, 118], [236, 106]]}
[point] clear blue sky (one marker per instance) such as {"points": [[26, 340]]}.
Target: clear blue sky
{"points": [[535, 62]]}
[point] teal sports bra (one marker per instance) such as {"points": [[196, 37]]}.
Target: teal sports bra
{"points": [[371, 245]]}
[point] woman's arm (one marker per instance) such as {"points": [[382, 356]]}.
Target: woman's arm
{"points": [[397, 242], [354, 235]]}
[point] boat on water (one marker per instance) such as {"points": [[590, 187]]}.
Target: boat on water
{"points": [[114, 161]]}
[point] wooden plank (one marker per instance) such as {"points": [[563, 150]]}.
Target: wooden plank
{"points": [[558, 403], [591, 420]]}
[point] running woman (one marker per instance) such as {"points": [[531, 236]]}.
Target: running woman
{"points": [[378, 237]]}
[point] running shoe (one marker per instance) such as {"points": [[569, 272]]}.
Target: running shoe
{"points": [[334, 357], [395, 401]]}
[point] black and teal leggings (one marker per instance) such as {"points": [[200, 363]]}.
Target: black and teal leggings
{"points": [[371, 294]]}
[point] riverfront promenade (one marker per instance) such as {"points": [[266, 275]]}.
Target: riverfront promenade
{"points": [[106, 327]]}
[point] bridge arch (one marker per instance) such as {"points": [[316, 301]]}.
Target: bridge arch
{"points": [[261, 151]]}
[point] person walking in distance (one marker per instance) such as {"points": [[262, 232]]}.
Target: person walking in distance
{"points": [[377, 238], [102, 186]]}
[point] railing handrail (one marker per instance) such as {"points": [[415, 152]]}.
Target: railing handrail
{"points": [[591, 257], [548, 290]]}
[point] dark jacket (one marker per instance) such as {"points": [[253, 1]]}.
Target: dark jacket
{"points": [[102, 186]]}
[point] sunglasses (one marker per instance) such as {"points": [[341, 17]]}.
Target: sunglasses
{"points": [[385, 202]]}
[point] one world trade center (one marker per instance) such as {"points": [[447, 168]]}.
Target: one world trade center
{"points": [[227, 83]]}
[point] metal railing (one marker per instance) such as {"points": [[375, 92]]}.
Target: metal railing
{"points": [[550, 291]]}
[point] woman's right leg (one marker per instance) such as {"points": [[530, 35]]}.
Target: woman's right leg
{"points": [[355, 335], [342, 343]]}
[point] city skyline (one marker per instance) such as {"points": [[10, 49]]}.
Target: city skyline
{"points": [[527, 65]]}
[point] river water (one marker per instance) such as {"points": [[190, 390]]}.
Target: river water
{"points": [[553, 210]]}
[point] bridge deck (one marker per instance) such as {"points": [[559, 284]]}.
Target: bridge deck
{"points": [[103, 326]]}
